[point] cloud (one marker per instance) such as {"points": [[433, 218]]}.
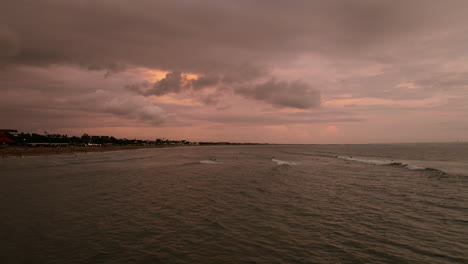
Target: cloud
{"points": [[271, 120], [205, 81], [295, 94], [174, 82], [445, 81], [72, 92], [132, 108], [54, 53], [9, 43], [211, 36]]}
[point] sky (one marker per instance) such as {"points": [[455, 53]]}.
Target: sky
{"points": [[290, 71]]}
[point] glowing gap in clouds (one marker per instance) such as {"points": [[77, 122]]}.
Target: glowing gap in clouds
{"points": [[153, 75]]}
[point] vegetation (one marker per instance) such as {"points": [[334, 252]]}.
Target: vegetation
{"points": [[27, 139], [85, 139]]}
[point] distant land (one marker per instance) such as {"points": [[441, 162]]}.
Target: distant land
{"points": [[19, 144]]}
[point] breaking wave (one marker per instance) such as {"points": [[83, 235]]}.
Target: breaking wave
{"points": [[283, 162], [209, 162], [389, 163]]}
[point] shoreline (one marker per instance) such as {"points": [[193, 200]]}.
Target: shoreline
{"points": [[20, 151]]}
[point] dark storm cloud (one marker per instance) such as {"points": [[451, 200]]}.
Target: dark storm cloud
{"points": [[200, 35], [207, 36], [295, 94], [172, 83], [9, 43], [204, 81]]}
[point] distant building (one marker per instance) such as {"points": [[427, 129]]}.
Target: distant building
{"points": [[5, 140], [48, 144]]}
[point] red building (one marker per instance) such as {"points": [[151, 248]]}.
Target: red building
{"points": [[4, 139]]}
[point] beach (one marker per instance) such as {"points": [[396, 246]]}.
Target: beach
{"points": [[21, 151]]}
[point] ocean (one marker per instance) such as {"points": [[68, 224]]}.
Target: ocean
{"points": [[372, 203]]}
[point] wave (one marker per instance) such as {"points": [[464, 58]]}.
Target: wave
{"points": [[283, 162], [390, 163], [208, 162], [371, 161]]}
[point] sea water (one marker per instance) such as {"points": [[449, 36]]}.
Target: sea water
{"points": [[395, 203]]}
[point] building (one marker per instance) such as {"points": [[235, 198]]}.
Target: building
{"points": [[13, 132], [5, 140]]}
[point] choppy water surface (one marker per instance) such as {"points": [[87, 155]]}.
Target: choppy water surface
{"points": [[239, 204]]}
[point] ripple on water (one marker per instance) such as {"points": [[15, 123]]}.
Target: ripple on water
{"points": [[166, 206]]}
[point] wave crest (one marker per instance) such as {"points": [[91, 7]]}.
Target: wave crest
{"points": [[389, 163], [283, 162]]}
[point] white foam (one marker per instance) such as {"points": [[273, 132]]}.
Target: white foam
{"points": [[208, 162], [411, 165], [371, 161], [283, 162]]}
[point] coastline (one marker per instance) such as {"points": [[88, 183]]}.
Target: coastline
{"points": [[20, 151]]}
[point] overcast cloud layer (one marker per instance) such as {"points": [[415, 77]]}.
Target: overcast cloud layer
{"points": [[279, 71]]}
